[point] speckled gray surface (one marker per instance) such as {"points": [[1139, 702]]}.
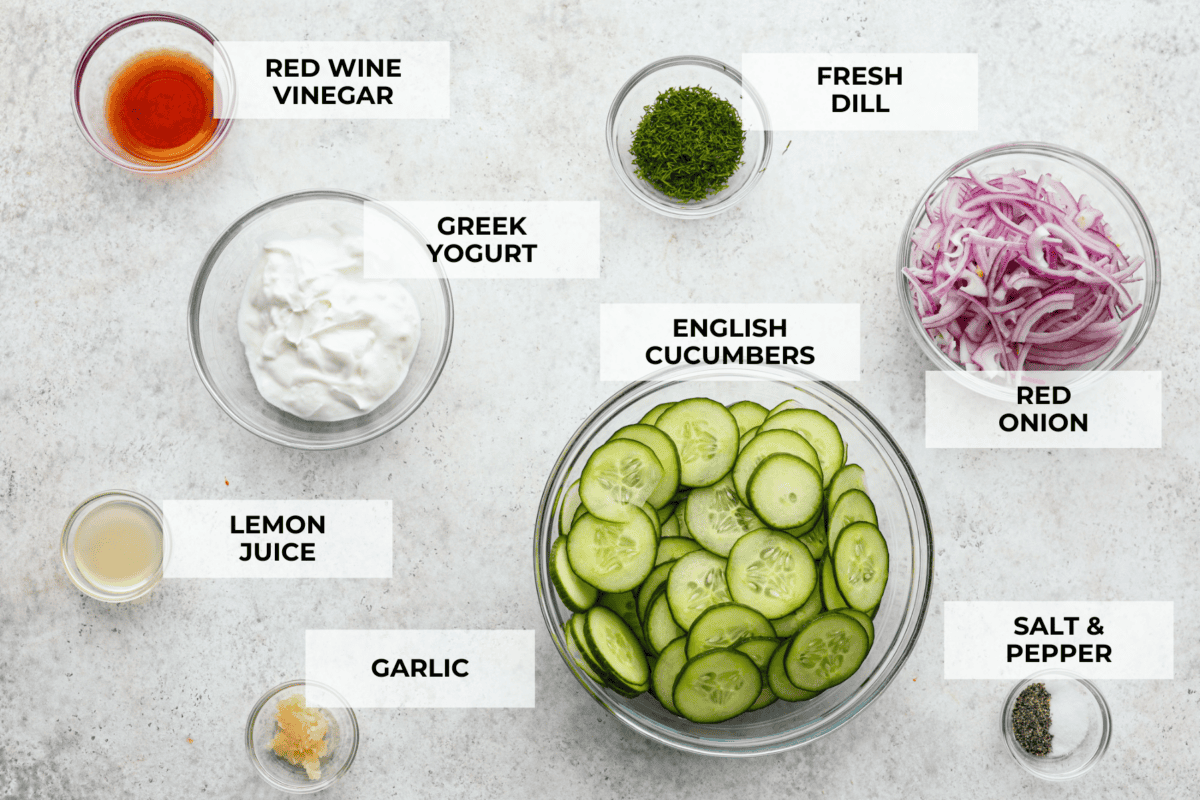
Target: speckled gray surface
{"points": [[98, 390]]}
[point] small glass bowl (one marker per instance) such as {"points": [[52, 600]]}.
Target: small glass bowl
{"points": [[1054, 767], [71, 529], [131, 36], [1081, 175], [217, 293], [903, 520], [342, 737], [642, 89]]}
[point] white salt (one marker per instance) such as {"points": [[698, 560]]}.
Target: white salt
{"points": [[1071, 710]]}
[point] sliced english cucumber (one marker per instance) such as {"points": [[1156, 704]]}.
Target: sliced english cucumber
{"points": [[716, 518], [831, 598], [664, 451], [705, 436], [765, 698], [748, 414], [574, 592], [778, 680], [653, 414], [815, 539], [853, 506], [860, 564], [696, 583], [645, 592], [770, 572], [618, 479], [616, 648], [566, 512], [716, 686], [825, 652], [821, 433], [764, 445], [726, 625], [787, 626], [675, 548], [661, 629], [760, 649], [851, 476], [785, 491], [612, 556], [861, 619], [667, 669]]}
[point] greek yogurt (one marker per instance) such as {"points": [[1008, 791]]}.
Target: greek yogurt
{"points": [[323, 342]]}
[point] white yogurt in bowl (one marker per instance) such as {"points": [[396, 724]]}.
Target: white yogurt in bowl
{"points": [[322, 341]]}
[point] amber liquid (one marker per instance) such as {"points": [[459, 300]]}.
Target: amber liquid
{"points": [[160, 107], [118, 546]]}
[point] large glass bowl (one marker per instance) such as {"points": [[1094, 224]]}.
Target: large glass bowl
{"points": [[643, 88], [217, 292], [1081, 175], [903, 520]]}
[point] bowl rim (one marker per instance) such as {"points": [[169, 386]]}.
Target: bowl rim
{"points": [[1151, 269], [274, 691], [910, 626], [1018, 753], [101, 499], [682, 210], [224, 125], [196, 296]]}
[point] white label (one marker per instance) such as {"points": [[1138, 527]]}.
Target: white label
{"points": [[639, 338], [279, 538], [867, 91], [424, 669], [341, 80], [542, 239], [996, 640], [1120, 409]]}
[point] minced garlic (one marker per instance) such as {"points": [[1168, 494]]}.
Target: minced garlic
{"points": [[301, 735]]}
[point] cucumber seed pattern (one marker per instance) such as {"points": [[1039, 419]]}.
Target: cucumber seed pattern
{"points": [[625, 481], [721, 686], [861, 569], [773, 573], [699, 442], [728, 637], [617, 646], [823, 655], [709, 590], [613, 548], [729, 515]]}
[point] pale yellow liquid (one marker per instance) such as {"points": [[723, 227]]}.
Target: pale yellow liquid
{"points": [[118, 546]]}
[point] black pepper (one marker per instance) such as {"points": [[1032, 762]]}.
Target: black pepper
{"points": [[1031, 719]]}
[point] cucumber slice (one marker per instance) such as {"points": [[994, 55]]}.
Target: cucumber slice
{"points": [[664, 513], [726, 625], [760, 649], [785, 491], [747, 437], [616, 648], [765, 445], [696, 583], [675, 548], [716, 517], [666, 670], [645, 593], [851, 476], [853, 506], [825, 652], [779, 682], [664, 451], [784, 406], [765, 698], [580, 510], [705, 436], [821, 433], [789, 625], [681, 516], [661, 629], [716, 686], [589, 663], [748, 414], [625, 605], [860, 564], [831, 598], [574, 592], [770, 572], [653, 414], [612, 556], [618, 479], [566, 512], [670, 528], [815, 539], [861, 619]]}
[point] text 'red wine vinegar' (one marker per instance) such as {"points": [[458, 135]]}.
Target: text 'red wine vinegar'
{"points": [[160, 107]]}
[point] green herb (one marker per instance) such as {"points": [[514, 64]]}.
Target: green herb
{"points": [[689, 144], [1031, 719]]}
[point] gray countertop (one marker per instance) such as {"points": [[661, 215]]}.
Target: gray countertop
{"points": [[98, 389]]}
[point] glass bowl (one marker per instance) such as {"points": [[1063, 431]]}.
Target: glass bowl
{"points": [[113, 594], [903, 520], [217, 294], [1094, 742], [111, 50], [1081, 175], [643, 88], [342, 737]]}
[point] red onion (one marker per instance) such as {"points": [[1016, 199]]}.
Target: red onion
{"points": [[1010, 274]]}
